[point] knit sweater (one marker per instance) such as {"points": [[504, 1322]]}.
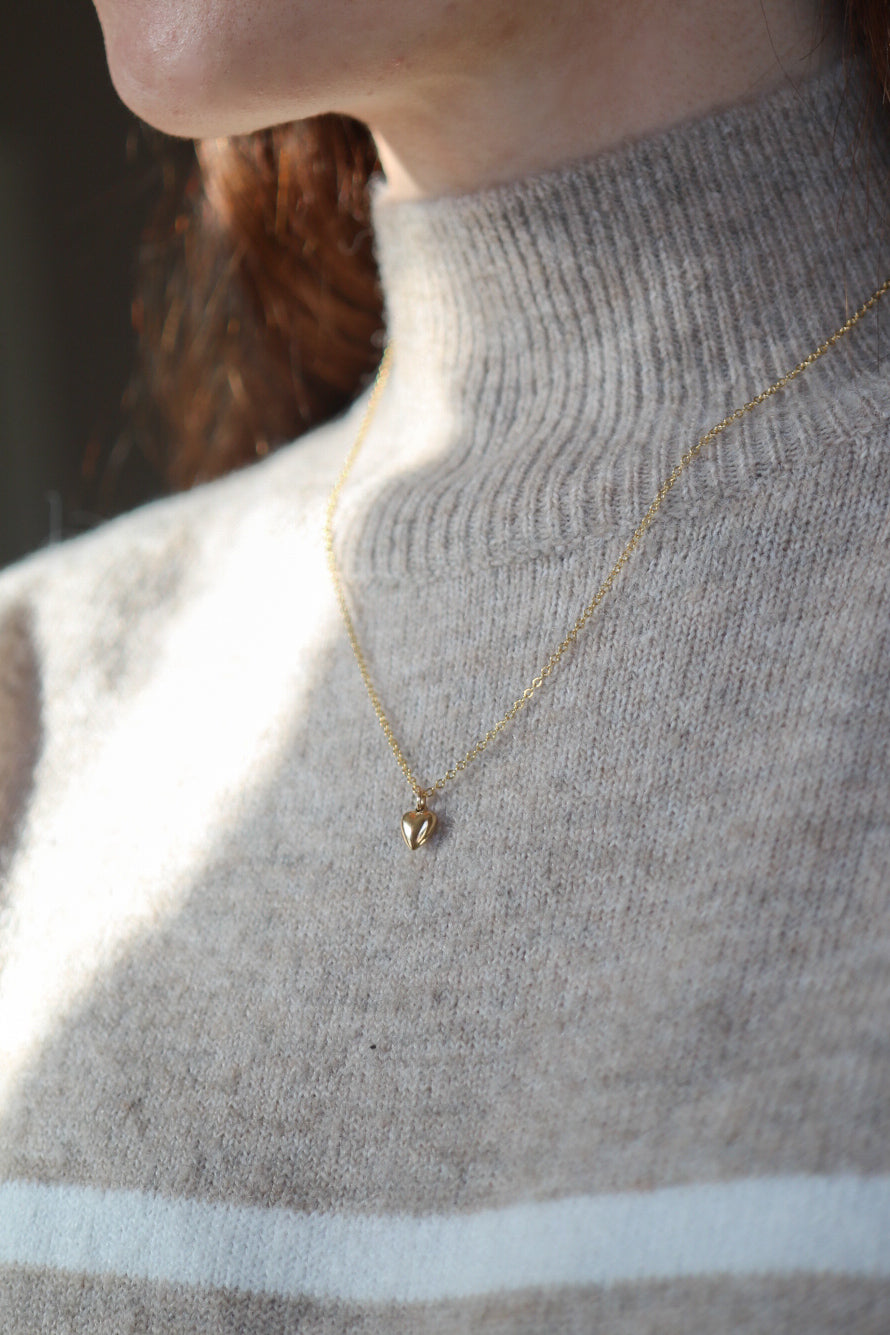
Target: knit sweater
{"points": [[609, 1052]]}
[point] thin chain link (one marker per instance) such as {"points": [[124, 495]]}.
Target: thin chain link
{"points": [[633, 542]]}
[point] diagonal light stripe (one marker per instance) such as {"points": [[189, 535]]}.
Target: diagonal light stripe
{"points": [[777, 1225], [78, 901]]}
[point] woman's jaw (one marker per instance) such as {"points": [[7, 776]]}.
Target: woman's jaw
{"points": [[459, 94]]}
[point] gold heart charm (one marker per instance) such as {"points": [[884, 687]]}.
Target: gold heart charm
{"points": [[418, 825]]}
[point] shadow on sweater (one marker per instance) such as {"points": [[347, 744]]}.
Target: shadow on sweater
{"points": [[21, 727]]}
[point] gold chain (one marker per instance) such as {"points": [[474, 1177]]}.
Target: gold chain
{"points": [[417, 826]]}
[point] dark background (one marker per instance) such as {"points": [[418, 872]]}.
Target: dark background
{"points": [[78, 181]]}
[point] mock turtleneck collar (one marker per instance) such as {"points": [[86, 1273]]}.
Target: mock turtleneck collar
{"points": [[560, 340]]}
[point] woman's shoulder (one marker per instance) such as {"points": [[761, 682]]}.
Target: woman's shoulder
{"points": [[143, 556], [86, 622], [89, 624]]}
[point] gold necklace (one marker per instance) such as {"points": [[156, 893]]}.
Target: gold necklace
{"points": [[418, 825]]}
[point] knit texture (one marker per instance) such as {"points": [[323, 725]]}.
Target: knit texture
{"points": [[610, 1052]]}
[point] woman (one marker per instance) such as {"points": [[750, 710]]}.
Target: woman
{"points": [[607, 1049]]}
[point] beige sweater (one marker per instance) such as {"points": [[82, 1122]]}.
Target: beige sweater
{"points": [[611, 1052]]}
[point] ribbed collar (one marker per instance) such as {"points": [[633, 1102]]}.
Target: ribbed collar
{"points": [[560, 341]]}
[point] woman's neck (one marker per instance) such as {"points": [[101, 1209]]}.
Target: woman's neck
{"points": [[546, 85]]}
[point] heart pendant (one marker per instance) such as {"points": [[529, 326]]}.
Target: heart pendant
{"points": [[418, 825]]}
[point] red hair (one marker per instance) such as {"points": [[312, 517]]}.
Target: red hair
{"points": [[259, 310]]}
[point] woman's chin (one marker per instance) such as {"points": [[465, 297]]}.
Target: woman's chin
{"points": [[172, 79]]}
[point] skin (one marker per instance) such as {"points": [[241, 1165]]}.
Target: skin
{"points": [[459, 94]]}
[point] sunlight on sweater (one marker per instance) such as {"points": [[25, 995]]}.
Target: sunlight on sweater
{"points": [[118, 851]]}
